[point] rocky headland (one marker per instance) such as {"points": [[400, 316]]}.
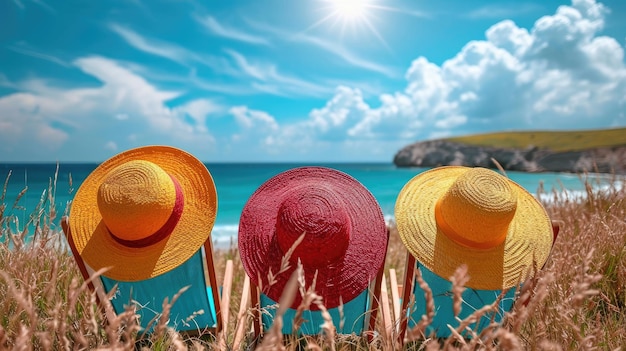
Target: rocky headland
{"points": [[436, 153]]}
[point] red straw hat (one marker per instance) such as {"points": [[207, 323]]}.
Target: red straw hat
{"points": [[345, 233], [143, 212]]}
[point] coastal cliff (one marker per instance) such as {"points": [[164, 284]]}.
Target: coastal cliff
{"points": [[436, 153]]}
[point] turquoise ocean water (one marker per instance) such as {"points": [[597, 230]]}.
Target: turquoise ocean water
{"points": [[235, 182]]}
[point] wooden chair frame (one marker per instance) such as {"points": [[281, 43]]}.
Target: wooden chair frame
{"points": [[221, 304]]}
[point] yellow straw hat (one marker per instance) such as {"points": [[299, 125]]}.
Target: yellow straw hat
{"points": [[143, 212], [449, 216]]}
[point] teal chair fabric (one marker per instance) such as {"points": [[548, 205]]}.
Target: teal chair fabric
{"points": [[443, 302], [352, 320], [194, 309], [357, 316]]}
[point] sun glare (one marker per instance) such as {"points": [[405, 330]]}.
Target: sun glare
{"points": [[348, 14], [350, 10], [356, 16]]}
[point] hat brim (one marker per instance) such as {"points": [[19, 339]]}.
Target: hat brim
{"points": [[99, 250], [526, 248], [339, 282]]}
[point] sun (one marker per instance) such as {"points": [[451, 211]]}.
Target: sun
{"points": [[355, 16], [350, 10]]}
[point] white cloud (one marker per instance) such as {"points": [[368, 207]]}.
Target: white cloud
{"points": [[199, 110], [345, 54], [22, 48], [211, 24], [345, 109], [328, 124], [496, 11], [255, 125], [252, 119], [170, 51], [241, 69], [112, 146], [405, 11], [124, 107], [332, 47], [158, 48], [130, 94], [255, 71], [26, 119], [506, 35], [276, 82], [567, 32], [559, 74]]}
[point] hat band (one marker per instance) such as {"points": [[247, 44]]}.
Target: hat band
{"points": [[452, 234], [166, 229]]}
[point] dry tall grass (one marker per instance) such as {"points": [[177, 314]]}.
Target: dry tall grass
{"points": [[577, 302]]}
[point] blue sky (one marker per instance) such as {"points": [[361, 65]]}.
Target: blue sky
{"points": [[306, 81]]}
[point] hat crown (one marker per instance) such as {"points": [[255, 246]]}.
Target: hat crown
{"points": [[477, 209], [317, 212], [136, 199]]}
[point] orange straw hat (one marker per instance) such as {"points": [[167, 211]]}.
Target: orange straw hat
{"points": [[449, 216], [143, 212]]}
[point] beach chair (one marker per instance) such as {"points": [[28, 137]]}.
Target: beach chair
{"points": [[409, 305], [326, 225], [199, 309], [142, 220], [357, 316], [473, 219]]}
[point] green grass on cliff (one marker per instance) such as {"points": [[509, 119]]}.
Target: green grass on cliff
{"points": [[557, 141]]}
